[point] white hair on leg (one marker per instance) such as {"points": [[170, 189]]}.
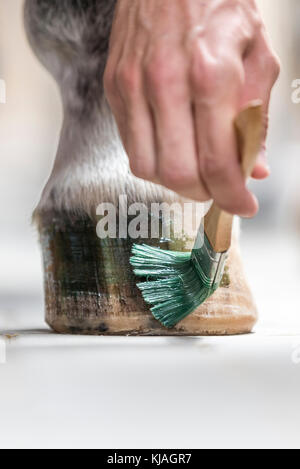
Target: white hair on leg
{"points": [[91, 165]]}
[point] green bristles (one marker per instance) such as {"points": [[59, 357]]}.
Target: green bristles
{"points": [[177, 283], [174, 287]]}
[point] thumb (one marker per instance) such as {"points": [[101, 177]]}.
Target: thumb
{"points": [[262, 168]]}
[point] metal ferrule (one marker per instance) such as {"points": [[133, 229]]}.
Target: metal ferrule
{"points": [[209, 264]]}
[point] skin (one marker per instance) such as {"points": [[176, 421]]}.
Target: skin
{"points": [[178, 73]]}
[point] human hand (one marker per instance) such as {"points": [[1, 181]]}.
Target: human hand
{"points": [[178, 73]]}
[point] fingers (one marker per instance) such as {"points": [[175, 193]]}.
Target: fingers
{"points": [[126, 94], [139, 140], [219, 162], [262, 69], [217, 89], [169, 94]]}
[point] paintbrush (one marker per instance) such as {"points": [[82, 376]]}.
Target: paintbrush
{"points": [[179, 282]]}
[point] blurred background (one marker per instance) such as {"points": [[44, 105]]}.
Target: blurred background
{"points": [[30, 122]]}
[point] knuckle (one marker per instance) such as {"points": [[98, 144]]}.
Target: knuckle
{"points": [[256, 20], [207, 75], [270, 60], [202, 74], [273, 64], [128, 77]]}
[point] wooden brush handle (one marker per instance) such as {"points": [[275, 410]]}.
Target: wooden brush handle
{"points": [[249, 129]]}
